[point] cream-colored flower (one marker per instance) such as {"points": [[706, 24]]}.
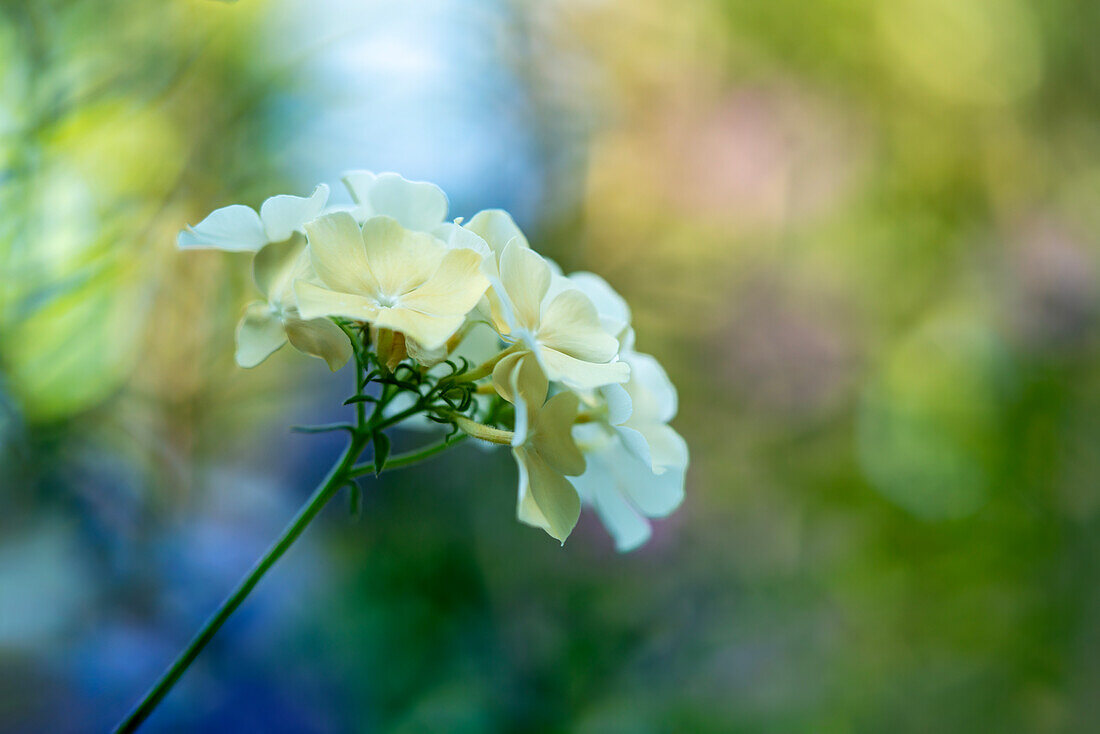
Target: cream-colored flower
{"points": [[562, 330], [238, 228], [613, 311], [267, 325], [542, 446], [636, 462], [390, 276], [496, 228], [416, 205]]}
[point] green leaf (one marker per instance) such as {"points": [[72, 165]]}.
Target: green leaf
{"points": [[381, 451]]}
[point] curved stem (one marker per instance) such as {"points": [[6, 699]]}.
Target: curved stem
{"points": [[344, 471], [335, 480]]}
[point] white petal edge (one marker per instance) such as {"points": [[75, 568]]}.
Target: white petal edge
{"points": [[284, 215], [234, 228], [259, 334]]}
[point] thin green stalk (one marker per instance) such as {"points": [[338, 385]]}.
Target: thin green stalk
{"points": [[342, 473], [486, 368], [337, 478], [411, 457]]}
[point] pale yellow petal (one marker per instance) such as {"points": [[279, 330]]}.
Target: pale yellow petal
{"points": [[317, 302], [454, 288], [555, 497], [497, 228], [259, 333], [571, 325], [581, 375], [339, 256], [525, 277], [422, 355], [529, 382], [553, 437], [502, 375], [458, 237], [430, 331], [519, 380], [527, 510], [274, 265], [401, 259], [321, 338]]}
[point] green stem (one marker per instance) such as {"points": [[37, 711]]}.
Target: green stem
{"points": [[486, 368], [343, 472], [411, 457], [484, 432], [337, 478]]}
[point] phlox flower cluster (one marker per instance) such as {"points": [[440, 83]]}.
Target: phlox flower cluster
{"points": [[466, 325]]}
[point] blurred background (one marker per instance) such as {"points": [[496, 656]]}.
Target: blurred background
{"points": [[860, 234]]}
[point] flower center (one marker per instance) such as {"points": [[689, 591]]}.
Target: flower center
{"points": [[386, 301]]}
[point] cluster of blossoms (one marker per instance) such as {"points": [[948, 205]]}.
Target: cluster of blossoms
{"points": [[464, 324]]}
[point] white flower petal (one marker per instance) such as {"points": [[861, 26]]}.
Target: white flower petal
{"points": [[553, 437], [627, 526], [653, 393], [527, 510], [458, 237], [624, 492], [454, 288], [315, 302], [422, 355], [235, 228], [570, 324], [525, 277], [284, 215], [497, 228], [656, 495], [578, 374], [619, 405], [276, 265], [504, 381], [635, 442], [612, 308], [339, 255], [417, 205], [429, 330], [554, 496], [402, 259], [492, 307], [667, 448], [359, 184], [259, 333], [321, 338]]}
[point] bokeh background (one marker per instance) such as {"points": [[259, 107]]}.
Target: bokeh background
{"points": [[860, 234]]}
